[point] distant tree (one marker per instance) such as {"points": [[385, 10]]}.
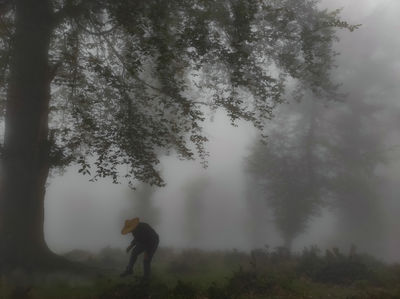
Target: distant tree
{"points": [[194, 208], [362, 146], [317, 157], [142, 204], [290, 169], [258, 218], [112, 82], [357, 151]]}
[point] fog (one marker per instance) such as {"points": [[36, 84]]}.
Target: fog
{"points": [[82, 214], [90, 215]]}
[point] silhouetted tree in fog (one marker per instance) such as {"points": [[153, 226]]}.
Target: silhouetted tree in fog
{"points": [[291, 170], [258, 218], [114, 81], [142, 204], [319, 157], [195, 191], [357, 148]]}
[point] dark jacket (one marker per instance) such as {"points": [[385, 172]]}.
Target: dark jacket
{"points": [[145, 235]]}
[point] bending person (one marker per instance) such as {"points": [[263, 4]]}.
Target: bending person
{"points": [[145, 240]]}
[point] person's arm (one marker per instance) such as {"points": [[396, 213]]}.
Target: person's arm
{"points": [[133, 243]]}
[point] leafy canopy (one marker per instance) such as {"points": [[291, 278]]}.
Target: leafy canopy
{"points": [[132, 79]]}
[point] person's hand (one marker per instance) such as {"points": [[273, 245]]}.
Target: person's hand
{"points": [[128, 248]]}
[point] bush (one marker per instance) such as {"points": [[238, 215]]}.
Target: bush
{"points": [[334, 267], [183, 291]]}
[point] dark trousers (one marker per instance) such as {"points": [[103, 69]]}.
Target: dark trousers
{"points": [[148, 256]]}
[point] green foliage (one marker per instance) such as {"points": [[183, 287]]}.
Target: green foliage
{"points": [[183, 291], [334, 267], [133, 79], [275, 275]]}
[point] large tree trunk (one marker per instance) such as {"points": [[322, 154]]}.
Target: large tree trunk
{"points": [[26, 147]]}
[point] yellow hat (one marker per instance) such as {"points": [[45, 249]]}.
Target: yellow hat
{"points": [[130, 225]]}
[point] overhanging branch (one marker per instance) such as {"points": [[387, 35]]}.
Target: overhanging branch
{"points": [[119, 57], [68, 11]]}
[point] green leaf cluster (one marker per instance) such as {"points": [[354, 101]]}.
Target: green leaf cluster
{"points": [[134, 79]]}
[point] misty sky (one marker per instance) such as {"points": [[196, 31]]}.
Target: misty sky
{"points": [[85, 215]]}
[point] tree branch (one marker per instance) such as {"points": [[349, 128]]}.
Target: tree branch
{"points": [[4, 6], [68, 11], [53, 70], [118, 55], [102, 34], [98, 33]]}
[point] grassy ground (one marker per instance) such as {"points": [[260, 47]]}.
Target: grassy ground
{"points": [[216, 275]]}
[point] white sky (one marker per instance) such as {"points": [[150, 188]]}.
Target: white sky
{"points": [[355, 10]]}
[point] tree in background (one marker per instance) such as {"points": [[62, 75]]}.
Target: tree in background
{"points": [[194, 208], [357, 150], [364, 133], [324, 157], [258, 218], [113, 82], [290, 169], [142, 204]]}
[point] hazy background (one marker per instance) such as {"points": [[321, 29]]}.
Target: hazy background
{"points": [[85, 215]]}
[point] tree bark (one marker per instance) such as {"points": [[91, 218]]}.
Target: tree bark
{"points": [[25, 164]]}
